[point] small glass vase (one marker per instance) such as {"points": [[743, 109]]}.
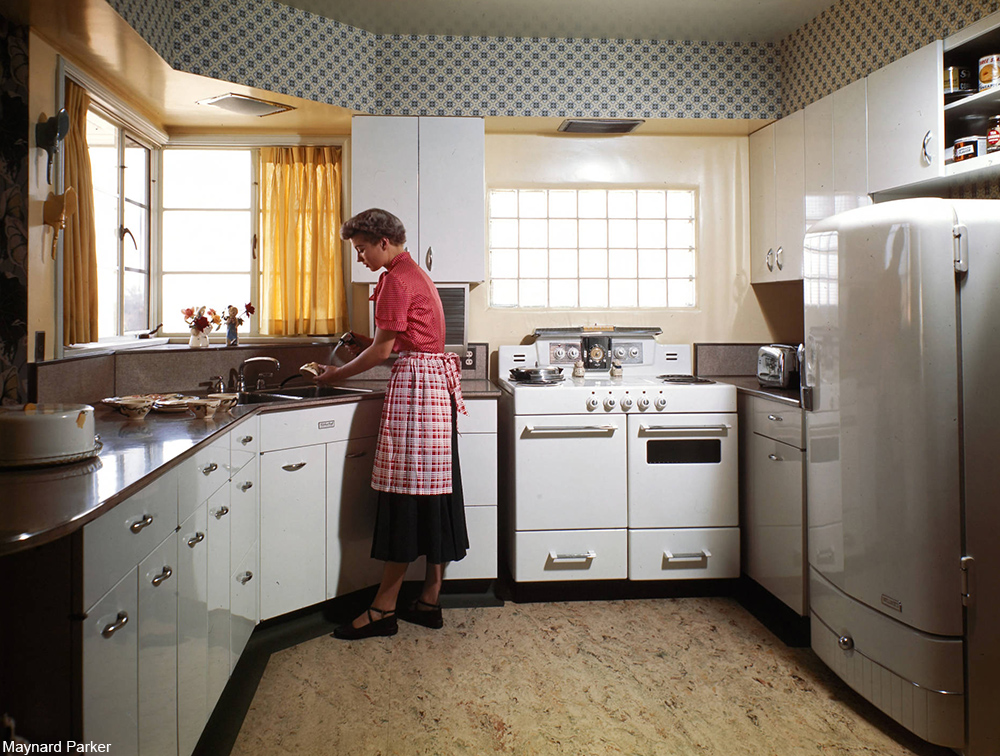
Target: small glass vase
{"points": [[198, 340], [232, 338]]}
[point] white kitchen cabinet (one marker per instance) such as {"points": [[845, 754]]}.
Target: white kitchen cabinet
{"points": [[192, 629], [111, 668], [906, 120], [430, 172], [850, 147], [819, 160], [157, 623], [774, 506], [219, 572], [244, 605], [777, 200], [350, 516]]}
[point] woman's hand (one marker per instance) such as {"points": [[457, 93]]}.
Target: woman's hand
{"points": [[328, 374]]}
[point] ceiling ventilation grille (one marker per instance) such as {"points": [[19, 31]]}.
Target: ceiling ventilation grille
{"points": [[600, 125], [246, 105]]}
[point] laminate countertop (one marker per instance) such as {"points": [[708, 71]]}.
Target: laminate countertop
{"points": [[748, 384], [39, 505]]}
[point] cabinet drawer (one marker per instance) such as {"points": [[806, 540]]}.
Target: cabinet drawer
{"points": [[481, 560], [319, 425], [684, 553], [202, 475], [246, 436], [570, 555], [781, 422], [118, 540], [482, 417]]}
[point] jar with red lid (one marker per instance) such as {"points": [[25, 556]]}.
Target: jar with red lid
{"points": [[993, 135]]}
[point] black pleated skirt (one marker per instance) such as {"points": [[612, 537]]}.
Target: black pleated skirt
{"points": [[409, 526]]}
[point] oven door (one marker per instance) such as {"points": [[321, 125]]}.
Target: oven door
{"points": [[682, 471], [569, 472]]}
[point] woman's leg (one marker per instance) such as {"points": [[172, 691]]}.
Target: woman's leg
{"points": [[388, 591], [432, 583]]}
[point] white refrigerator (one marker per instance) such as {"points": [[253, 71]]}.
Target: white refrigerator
{"points": [[901, 383]]}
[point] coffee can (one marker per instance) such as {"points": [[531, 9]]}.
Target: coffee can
{"points": [[989, 72], [958, 80]]}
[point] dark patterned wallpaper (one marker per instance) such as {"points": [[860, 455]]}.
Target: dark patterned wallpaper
{"points": [[13, 212]]}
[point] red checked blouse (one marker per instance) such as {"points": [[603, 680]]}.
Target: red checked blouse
{"points": [[413, 454]]}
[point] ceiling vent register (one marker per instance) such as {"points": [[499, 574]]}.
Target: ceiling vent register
{"points": [[600, 125]]}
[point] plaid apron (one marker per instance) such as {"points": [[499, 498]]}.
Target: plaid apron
{"points": [[413, 454]]}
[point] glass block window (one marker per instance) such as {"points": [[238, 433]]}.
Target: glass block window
{"points": [[593, 248]]}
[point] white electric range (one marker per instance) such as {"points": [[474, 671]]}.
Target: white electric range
{"points": [[616, 474]]}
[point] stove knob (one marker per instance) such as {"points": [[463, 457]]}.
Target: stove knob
{"points": [[574, 353], [593, 403], [609, 403], [620, 353], [643, 402], [559, 354], [633, 352], [626, 402], [660, 402]]}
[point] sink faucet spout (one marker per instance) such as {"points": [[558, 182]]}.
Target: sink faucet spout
{"points": [[241, 383]]}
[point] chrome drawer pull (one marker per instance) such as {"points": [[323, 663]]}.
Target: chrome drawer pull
{"points": [[356, 455], [167, 572], [138, 525], [293, 467], [776, 418], [196, 539], [245, 578], [695, 556], [246, 440], [246, 486], [774, 458], [569, 428], [221, 512], [587, 555], [210, 469], [777, 258], [687, 428], [115, 626]]}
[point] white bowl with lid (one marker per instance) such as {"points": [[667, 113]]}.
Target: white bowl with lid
{"points": [[44, 434]]}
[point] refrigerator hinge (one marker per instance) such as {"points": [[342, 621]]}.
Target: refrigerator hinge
{"points": [[967, 563], [960, 237]]}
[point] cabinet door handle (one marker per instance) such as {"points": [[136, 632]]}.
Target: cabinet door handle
{"points": [[924, 151], [356, 455], [246, 486], [774, 458], [167, 572], [209, 469], [777, 258], [693, 556], [586, 556], [196, 539], [245, 578], [293, 467], [246, 440], [115, 626], [769, 259], [221, 512], [429, 258], [775, 418], [138, 525]]}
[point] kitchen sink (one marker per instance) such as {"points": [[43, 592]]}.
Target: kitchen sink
{"points": [[298, 393]]}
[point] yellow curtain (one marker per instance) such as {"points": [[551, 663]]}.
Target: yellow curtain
{"points": [[301, 261], [80, 237]]}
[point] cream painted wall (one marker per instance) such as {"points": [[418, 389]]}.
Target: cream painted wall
{"points": [[41, 266], [718, 166]]}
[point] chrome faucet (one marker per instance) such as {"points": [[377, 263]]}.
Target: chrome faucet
{"points": [[240, 378]]}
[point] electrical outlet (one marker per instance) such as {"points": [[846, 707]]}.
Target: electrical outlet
{"points": [[469, 362]]}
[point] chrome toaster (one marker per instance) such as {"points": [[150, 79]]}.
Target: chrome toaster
{"points": [[777, 365]]}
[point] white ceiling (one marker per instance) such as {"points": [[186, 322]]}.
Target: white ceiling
{"points": [[701, 20]]}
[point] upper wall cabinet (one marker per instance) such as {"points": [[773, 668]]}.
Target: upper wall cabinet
{"points": [[906, 120], [777, 200], [431, 173]]}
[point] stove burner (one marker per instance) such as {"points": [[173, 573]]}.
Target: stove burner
{"points": [[684, 379]]}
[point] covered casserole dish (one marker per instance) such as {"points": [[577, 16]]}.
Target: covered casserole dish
{"points": [[45, 434]]}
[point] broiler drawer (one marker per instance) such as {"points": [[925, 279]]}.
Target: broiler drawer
{"points": [[683, 553], [541, 555]]}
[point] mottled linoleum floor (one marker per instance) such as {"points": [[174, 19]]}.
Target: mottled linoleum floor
{"points": [[651, 676]]}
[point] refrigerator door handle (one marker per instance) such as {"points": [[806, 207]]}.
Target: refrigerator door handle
{"points": [[805, 390], [960, 233]]}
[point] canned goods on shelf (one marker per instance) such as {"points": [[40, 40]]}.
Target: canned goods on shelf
{"points": [[969, 147], [958, 80], [993, 135], [989, 72]]}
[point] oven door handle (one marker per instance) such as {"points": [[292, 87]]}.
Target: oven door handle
{"points": [[687, 428], [570, 428], [695, 556]]}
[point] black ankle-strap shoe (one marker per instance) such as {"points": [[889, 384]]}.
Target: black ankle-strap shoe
{"points": [[428, 617], [384, 626]]}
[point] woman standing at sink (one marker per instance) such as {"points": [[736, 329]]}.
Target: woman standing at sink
{"points": [[416, 473]]}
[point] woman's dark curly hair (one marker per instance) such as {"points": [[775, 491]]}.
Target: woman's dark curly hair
{"points": [[375, 224]]}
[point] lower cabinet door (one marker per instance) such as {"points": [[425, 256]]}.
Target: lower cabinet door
{"points": [[350, 516], [192, 630], [683, 553], [219, 571], [243, 610], [110, 668], [292, 529], [481, 560], [570, 555], [158, 651]]}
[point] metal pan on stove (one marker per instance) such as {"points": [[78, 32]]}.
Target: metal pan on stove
{"points": [[547, 374]]}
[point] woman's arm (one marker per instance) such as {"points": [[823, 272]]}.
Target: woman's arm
{"points": [[375, 354]]}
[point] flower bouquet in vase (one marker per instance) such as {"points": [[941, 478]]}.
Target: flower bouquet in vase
{"points": [[234, 320], [201, 320]]}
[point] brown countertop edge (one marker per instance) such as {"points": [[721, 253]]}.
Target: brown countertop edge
{"points": [[748, 384], [124, 467]]}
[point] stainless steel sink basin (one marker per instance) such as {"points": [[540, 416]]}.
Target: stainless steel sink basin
{"points": [[298, 393]]}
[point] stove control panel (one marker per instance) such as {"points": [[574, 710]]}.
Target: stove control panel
{"points": [[597, 355], [608, 400]]}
